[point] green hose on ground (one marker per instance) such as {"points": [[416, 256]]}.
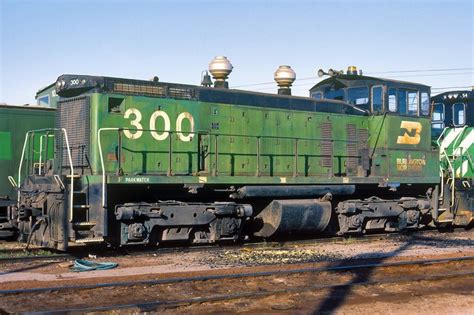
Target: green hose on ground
{"points": [[86, 265]]}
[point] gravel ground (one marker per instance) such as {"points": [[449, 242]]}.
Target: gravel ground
{"points": [[411, 298], [417, 245]]}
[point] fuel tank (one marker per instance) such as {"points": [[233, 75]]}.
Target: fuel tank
{"points": [[298, 216]]}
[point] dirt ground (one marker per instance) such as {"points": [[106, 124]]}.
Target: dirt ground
{"points": [[453, 296], [421, 297]]}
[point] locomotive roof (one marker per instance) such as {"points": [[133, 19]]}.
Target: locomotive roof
{"points": [[455, 96], [354, 80], [27, 107], [70, 85]]}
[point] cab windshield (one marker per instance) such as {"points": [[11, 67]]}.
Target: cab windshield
{"points": [[358, 96], [334, 95]]}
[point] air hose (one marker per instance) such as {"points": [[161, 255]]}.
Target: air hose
{"points": [[86, 265], [33, 228]]}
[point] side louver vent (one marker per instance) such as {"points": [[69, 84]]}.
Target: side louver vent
{"points": [[352, 148], [326, 145], [363, 137]]}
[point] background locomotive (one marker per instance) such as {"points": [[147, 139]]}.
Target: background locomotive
{"points": [[453, 121], [15, 121], [140, 162]]}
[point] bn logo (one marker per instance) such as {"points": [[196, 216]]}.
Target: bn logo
{"points": [[411, 132]]}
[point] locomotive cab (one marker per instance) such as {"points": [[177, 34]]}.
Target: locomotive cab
{"points": [[452, 110], [374, 95]]}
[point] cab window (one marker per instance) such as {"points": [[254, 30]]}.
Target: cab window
{"points": [[407, 102], [334, 95], [412, 99], [317, 95], [425, 104], [459, 114], [392, 100], [377, 99], [438, 112], [358, 96], [43, 100], [437, 121]]}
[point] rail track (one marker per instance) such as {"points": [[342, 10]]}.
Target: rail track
{"points": [[54, 257], [240, 295], [21, 255], [330, 277]]}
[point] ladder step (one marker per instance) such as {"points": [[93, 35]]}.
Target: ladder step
{"points": [[85, 223], [81, 206], [90, 240], [73, 176], [445, 221]]}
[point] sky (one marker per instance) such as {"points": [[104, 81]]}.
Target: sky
{"points": [[176, 40]]}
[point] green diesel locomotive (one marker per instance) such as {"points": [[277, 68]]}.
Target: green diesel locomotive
{"points": [[145, 162], [15, 121], [453, 133]]}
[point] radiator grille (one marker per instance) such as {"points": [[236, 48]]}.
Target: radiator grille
{"points": [[73, 115], [140, 89], [326, 145], [159, 91]]}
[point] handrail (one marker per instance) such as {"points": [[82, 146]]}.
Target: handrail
{"points": [[71, 166], [469, 157], [458, 137], [459, 150], [12, 181], [214, 172], [101, 156], [227, 134], [41, 151], [440, 136], [27, 135], [450, 165], [442, 151], [71, 191]]}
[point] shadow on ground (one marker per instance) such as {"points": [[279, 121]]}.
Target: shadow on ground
{"points": [[337, 296]]}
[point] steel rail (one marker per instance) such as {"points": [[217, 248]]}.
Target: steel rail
{"points": [[75, 253], [78, 252], [257, 245], [282, 244], [33, 258], [254, 294], [348, 267]]}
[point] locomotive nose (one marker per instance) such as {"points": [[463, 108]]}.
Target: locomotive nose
{"points": [[74, 85]]}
